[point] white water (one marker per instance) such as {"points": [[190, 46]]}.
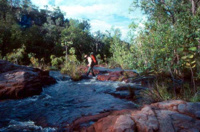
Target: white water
{"points": [[60, 104]]}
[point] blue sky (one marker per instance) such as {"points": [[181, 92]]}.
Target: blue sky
{"points": [[103, 14]]}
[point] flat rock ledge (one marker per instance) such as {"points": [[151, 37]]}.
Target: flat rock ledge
{"points": [[126, 76], [20, 81], [167, 116]]}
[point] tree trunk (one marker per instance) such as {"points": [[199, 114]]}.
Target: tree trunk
{"points": [[66, 48], [194, 3], [193, 81]]}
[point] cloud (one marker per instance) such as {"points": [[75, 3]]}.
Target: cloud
{"points": [[100, 25], [103, 14], [40, 3]]}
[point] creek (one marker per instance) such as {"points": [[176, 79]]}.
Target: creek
{"points": [[60, 104]]}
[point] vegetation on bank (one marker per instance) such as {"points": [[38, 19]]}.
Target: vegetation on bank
{"points": [[168, 47]]}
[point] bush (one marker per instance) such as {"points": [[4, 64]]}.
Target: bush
{"points": [[100, 61], [70, 67], [34, 61], [57, 62], [17, 55], [195, 98], [113, 64], [71, 70]]}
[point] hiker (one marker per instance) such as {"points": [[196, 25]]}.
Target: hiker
{"points": [[90, 65]]}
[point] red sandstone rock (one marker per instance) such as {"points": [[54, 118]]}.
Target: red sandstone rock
{"points": [[103, 78], [96, 72], [118, 76], [116, 73], [20, 81], [167, 116]]}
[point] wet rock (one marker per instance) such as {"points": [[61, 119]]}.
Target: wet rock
{"points": [[86, 77], [96, 71], [76, 124], [190, 109], [125, 76], [103, 77], [21, 81], [167, 116]]}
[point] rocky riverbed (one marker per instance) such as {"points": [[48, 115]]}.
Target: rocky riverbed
{"points": [[95, 104]]}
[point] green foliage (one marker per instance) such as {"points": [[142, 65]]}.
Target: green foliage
{"points": [[195, 98], [77, 35], [17, 55], [169, 39], [34, 61], [163, 90], [57, 62], [43, 32], [121, 55], [71, 65], [98, 57], [158, 93]]}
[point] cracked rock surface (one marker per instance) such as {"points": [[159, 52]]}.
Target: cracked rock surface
{"points": [[167, 116]]}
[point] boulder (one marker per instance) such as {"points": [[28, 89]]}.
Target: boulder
{"points": [[20, 81], [125, 76], [167, 116]]}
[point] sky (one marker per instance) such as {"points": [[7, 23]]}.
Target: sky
{"points": [[102, 14]]}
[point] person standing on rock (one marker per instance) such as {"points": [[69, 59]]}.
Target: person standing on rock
{"points": [[90, 65]]}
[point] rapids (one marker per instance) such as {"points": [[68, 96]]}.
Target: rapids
{"points": [[60, 104]]}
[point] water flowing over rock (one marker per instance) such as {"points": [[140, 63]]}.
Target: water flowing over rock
{"points": [[167, 116], [21, 81]]}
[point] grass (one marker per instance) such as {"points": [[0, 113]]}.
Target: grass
{"points": [[164, 90]]}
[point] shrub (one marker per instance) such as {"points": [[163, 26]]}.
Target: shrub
{"points": [[34, 61], [56, 62], [71, 69], [100, 61], [71, 65], [17, 55], [195, 98]]}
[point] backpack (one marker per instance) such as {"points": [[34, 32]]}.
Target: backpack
{"points": [[94, 60]]}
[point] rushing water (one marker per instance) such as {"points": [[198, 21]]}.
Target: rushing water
{"points": [[60, 104]]}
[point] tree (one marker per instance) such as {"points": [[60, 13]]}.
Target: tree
{"points": [[4, 9], [169, 41], [77, 35], [120, 50]]}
